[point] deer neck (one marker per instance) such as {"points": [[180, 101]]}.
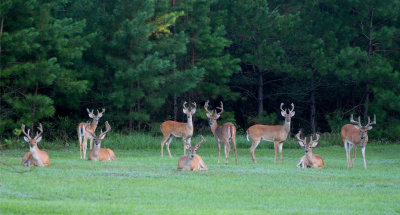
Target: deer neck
{"points": [[214, 127], [93, 125], [189, 124], [35, 154], [286, 127]]}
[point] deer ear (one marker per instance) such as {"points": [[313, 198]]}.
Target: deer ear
{"points": [[283, 113], [356, 126], [369, 128], [100, 115], [217, 116], [187, 146], [209, 115], [91, 115], [301, 143], [197, 146], [39, 139], [103, 136], [193, 111], [26, 139], [292, 114], [185, 111]]}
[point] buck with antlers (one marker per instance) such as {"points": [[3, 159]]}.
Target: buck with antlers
{"points": [[192, 161], [309, 159], [223, 133], [84, 128], [271, 133], [98, 153], [35, 156], [357, 135], [171, 129]]}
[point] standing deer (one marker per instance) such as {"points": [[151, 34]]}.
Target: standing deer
{"points": [[98, 153], [172, 129], [357, 135], [35, 156], [192, 161], [271, 133], [83, 131], [309, 159], [224, 133]]}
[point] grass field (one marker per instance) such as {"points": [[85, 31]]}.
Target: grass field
{"points": [[141, 182]]}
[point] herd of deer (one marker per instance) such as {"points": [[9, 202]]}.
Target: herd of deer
{"points": [[353, 135]]}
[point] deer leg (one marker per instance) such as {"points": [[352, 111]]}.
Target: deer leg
{"points": [[84, 147], [189, 141], [169, 142], [354, 155], [346, 147], [276, 150], [280, 151], [80, 147], [253, 148], [363, 154], [91, 143], [165, 138], [227, 150], [219, 149], [234, 148]]}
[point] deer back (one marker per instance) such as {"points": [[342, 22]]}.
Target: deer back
{"points": [[351, 133], [268, 132], [178, 129]]}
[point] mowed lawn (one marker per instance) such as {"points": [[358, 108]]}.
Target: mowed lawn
{"points": [[141, 182]]}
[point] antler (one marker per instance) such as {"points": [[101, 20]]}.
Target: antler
{"points": [[355, 122], [206, 107], [194, 104], [371, 123], [202, 141], [298, 137], [23, 131], [184, 105], [40, 128], [89, 111], [102, 111], [316, 140], [108, 128], [292, 108], [221, 108], [282, 108]]}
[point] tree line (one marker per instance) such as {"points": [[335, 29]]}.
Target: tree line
{"points": [[142, 59]]}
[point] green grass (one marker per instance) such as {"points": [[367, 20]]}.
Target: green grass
{"points": [[141, 182]]}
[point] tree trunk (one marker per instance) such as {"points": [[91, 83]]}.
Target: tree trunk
{"points": [[174, 72], [370, 53], [260, 98], [312, 105]]}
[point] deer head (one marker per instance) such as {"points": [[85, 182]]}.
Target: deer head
{"points": [[213, 115], [363, 129], [307, 145], [287, 115], [32, 141], [97, 139], [187, 112], [94, 116], [193, 149]]}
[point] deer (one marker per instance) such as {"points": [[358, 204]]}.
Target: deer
{"points": [[171, 129], [192, 161], [84, 128], [271, 133], [98, 153], [357, 135], [35, 156], [309, 160], [223, 133]]}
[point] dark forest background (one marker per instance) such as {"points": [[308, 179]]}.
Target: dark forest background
{"points": [[141, 59]]}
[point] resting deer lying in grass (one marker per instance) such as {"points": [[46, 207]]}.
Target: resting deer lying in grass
{"points": [[98, 153], [83, 128], [309, 160], [192, 161], [35, 156], [224, 133], [171, 129]]}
